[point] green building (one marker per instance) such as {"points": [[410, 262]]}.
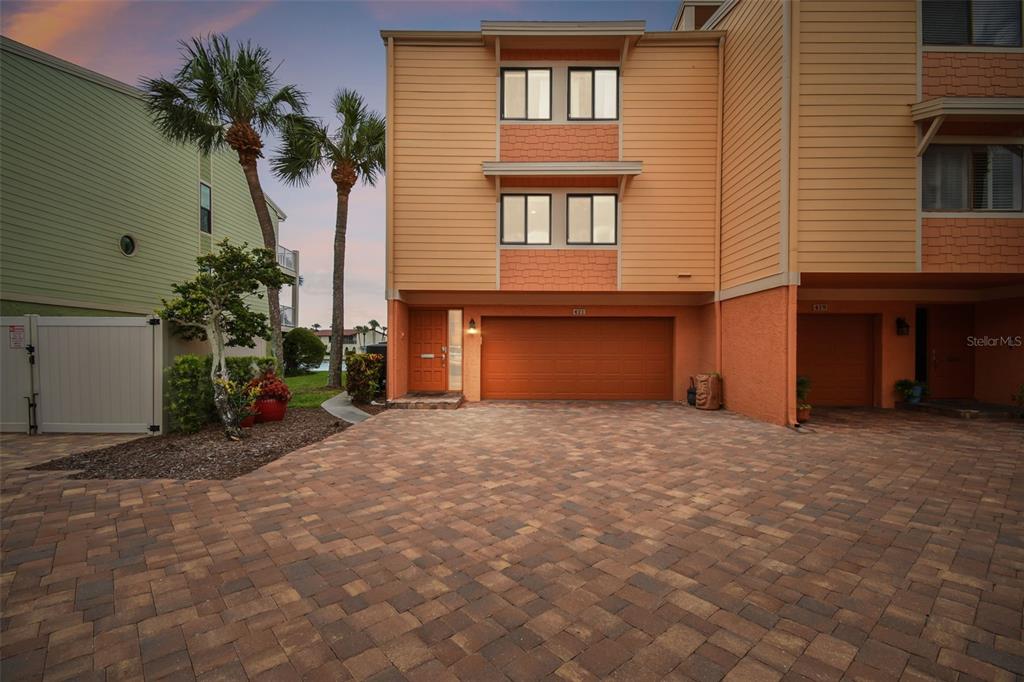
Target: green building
{"points": [[99, 214]]}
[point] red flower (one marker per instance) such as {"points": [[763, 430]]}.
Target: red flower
{"points": [[271, 388]]}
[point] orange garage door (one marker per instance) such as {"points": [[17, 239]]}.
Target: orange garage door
{"points": [[543, 358], [837, 353]]}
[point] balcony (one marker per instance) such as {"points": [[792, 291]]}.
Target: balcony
{"points": [[287, 259]]}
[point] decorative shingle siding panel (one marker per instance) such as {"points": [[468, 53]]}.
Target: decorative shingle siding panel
{"points": [[559, 270], [570, 142], [972, 244], [538, 55], [973, 74]]}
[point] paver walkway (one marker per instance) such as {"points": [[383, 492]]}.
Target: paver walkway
{"points": [[570, 540]]}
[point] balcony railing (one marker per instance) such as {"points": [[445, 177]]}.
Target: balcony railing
{"points": [[287, 316], [286, 258]]}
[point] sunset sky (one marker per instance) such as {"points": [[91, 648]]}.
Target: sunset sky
{"points": [[322, 46]]}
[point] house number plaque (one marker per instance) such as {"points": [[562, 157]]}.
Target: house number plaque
{"points": [[579, 312], [819, 308]]}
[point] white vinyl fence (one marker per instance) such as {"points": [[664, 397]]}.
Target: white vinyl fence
{"points": [[81, 374]]}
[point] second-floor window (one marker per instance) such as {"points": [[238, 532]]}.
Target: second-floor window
{"points": [[526, 94], [205, 208], [526, 219], [972, 178], [593, 94], [991, 23], [591, 219]]}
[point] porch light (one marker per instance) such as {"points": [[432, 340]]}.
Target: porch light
{"points": [[902, 327], [472, 327]]}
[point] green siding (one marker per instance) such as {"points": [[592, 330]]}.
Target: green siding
{"points": [[18, 308], [80, 165]]}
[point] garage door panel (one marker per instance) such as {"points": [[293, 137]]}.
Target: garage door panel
{"points": [[573, 358], [836, 352]]}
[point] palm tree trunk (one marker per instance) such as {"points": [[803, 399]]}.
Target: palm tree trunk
{"points": [[338, 289], [259, 202]]}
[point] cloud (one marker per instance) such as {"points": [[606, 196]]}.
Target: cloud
{"points": [[390, 10], [47, 25], [226, 22]]}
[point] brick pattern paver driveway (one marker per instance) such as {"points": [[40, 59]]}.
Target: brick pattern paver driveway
{"points": [[577, 541]]}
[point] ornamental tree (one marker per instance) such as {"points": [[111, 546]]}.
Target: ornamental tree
{"points": [[214, 306]]}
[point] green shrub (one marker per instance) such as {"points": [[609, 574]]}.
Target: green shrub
{"points": [[364, 376], [303, 351], [190, 391]]}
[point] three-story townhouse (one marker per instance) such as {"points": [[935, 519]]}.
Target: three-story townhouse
{"points": [[819, 188]]}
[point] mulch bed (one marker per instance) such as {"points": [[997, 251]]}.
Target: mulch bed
{"points": [[203, 455]]}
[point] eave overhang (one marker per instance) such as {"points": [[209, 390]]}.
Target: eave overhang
{"points": [[975, 108], [562, 168], [563, 28]]}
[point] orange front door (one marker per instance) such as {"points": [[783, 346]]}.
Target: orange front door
{"points": [[428, 350], [950, 360]]}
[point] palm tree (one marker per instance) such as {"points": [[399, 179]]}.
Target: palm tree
{"points": [[373, 325], [228, 96], [353, 152]]}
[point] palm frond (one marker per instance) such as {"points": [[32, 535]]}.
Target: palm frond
{"points": [[177, 116], [359, 141], [303, 150]]}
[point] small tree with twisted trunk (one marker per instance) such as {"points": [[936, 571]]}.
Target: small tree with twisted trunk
{"points": [[226, 95], [353, 152], [214, 306]]}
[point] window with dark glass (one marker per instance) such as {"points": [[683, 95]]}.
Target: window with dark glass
{"points": [[989, 23], [526, 94], [205, 208], [972, 178], [591, 219], [593, 94], [526, 219]]}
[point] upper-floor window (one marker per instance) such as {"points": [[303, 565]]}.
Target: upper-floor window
{"points": [[591, 219], [205, 208], [593, 93], [526, 94], [525, 218], [972, 178], [991, 23]]}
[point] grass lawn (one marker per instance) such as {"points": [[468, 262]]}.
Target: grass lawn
{"points": [[309, 390]]}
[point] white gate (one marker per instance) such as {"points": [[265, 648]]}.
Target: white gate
{"points": [[15, 374], [92, 374]]}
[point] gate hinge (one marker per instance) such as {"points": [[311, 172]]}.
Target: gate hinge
{"points": [[155, 321], [154, 428]]}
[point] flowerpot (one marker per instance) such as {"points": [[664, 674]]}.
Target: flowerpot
{"points": [[691, 396], [709, 391], [248, 422], [915, 395], [270, 410], [803, 414]]}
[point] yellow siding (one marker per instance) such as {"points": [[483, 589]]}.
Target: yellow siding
{"points": [[751, 142], [669, 121], [444, 207], [857, 205]]}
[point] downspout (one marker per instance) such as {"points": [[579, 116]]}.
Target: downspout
{"points": [[718, 203]]}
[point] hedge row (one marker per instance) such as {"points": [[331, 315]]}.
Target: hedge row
{"points": [[190, 392]]}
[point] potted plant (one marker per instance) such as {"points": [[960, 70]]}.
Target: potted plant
{"points": [[803, 408], [273, 397], [912, 391]]}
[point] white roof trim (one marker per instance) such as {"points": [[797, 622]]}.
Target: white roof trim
{"points": [[967, 106], [563, 28], [520, 168], [719, 14]]}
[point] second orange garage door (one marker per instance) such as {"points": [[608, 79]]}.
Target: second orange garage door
{"points": [[555, 358], [837, 353]]}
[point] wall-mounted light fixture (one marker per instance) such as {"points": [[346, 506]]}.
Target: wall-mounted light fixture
{"points": [[472, 327], [902, 327]]}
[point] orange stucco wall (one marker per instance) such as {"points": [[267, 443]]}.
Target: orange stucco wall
{"points": [[972, 244], [758, 337], [554, 142], [894, 356], [559, 269], [972, 74], [398, 348], [999, 369]]}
